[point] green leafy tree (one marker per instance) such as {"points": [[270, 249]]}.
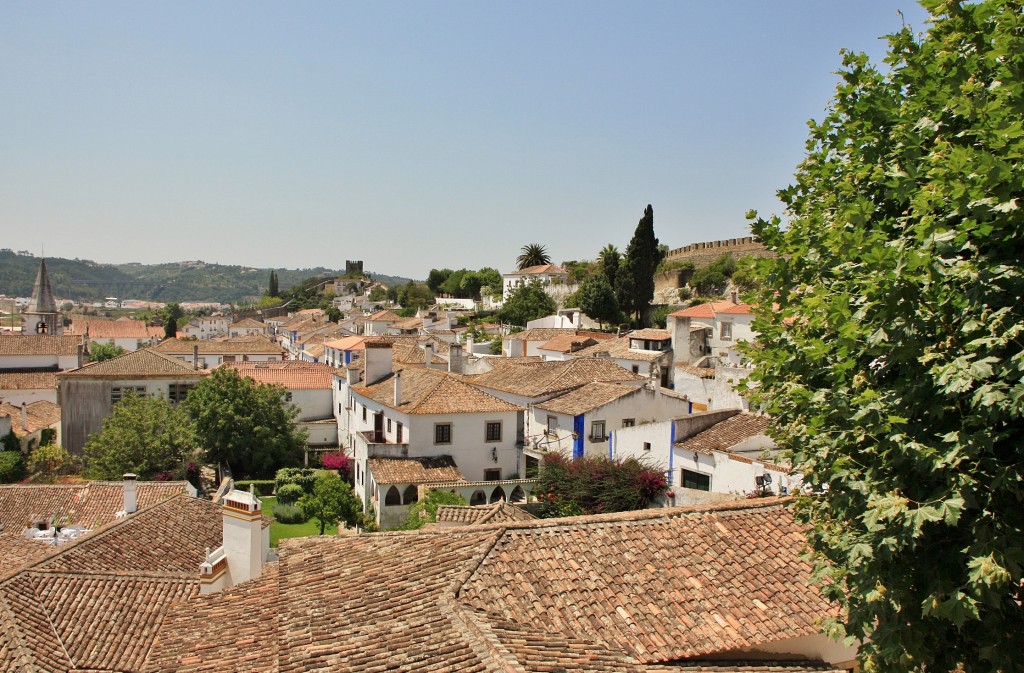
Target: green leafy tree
{"points": [[49, 461], [145, 435], [171, 314], [436, 278], [332, 500], [527, 302], [532, 254], [98, 352], [245, 425], [333, 313], [610, 257], [596, 298], [635, 278], [11, 441], [424, 511], [415, 295], [891, 343], [378, 294]]}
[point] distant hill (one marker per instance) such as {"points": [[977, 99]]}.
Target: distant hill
{"points": [[85, 280]]}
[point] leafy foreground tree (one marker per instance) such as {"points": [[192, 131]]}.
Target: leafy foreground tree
{"points": [[49, 461], [99, 352], [891, 342], [245, 425], [332, 500], [596, 298], [634, 287], [527, 302], [145, 435], [532, 254]]}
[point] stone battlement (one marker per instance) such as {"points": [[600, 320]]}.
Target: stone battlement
{"points": [[703, 254]]}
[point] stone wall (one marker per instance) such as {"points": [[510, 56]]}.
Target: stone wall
{"points": [[703, 254]]}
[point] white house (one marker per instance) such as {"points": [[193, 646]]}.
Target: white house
{"points": [[33, 352], [247, 327], [207, 327], [127, 333], [209, 353], [545, 274], [28, 387], [724, 323], [420, 413], [380, 323], [646, 352]]}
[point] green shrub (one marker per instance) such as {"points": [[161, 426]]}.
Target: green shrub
{"points": [[263, 487], [289, 494], [289, 513], [303, 476], [12, 467]]}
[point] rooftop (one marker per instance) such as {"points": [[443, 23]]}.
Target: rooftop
{"points": [[619, 348], [143, 362], [429, 391], [103, 328], [587, 397], [414, 470], [536, 379], [27, 380], [40, 414], [725, 434], [309, 376], [253, 344], [539, 269], [713, 309], [34, 344]]}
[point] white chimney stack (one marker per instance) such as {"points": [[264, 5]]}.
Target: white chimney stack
{"points": [[428, 354], [131, 498], [244, 543], [398, 388], [24, 417]]}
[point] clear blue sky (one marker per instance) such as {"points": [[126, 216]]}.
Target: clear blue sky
{"points": [[410, 135]]}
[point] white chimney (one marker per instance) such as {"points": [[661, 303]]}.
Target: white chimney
{"points": [[131, 498], [195, 356], [376, 361], [455, 359], [428, 354], [398, 388], [469, 345], [245, 544], [24, 417]]}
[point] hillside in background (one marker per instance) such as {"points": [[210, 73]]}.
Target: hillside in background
{"points": [[84, 280]]}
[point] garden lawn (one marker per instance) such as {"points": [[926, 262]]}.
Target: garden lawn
{"points": [[279, 531]]}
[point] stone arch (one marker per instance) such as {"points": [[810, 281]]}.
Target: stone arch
{"points": [[517, 495], [497, 494], [478, 498], [393, 497], [411, 495]]}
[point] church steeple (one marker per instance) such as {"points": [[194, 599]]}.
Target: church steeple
{"points": [[41, 315]]}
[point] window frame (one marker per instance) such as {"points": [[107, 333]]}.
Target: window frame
{"points": [[442, 429], [594, 427], [488, 435], [725, 330], [117, 393], [551, 428]]}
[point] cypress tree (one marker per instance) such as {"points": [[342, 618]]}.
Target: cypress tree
{"points": [[635, 280]]}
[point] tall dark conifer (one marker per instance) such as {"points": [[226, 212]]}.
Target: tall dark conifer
{"points": [[273, 289], [635, 280]]}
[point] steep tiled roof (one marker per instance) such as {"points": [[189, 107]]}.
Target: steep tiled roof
{"points": [[97, 604], [414, 470], [719, 666], [587, 397], [568, 343], [27, 380], [18, 344], [384, 316], [408, 354], [542, 333], [712, 309], [650, 334], [479, 514], [544, 378], [727, 433], [699, 372], [310, 377], [346, 343], [428, 391], [143, 362], [619, 348], [539, 269], [248, 323], [253, 344], [638, 591], [102, 328], [40, 414]]}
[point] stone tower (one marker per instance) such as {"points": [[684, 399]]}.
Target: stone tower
{"points": [[41, 315]]}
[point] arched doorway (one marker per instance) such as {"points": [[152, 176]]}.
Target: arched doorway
{"points": [[497, 494], [393, 497], [518, 495], [478, 498]]}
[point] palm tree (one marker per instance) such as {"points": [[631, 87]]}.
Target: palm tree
{"points": [[610, 257], [533, 254]]}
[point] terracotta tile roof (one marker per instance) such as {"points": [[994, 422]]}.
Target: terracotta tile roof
{"points": [[712, 309], [310, 377], [428, 391], [252, 344], [699, 372], [27, 380], [414, 470], [414, 355], [568, 343], [719, 666], [248, 323], [650, 334], [539, 269], [541, 333], [619, 348], [39, 414], [545, 378], [480, 514], [346, 343], [97, 604], [727, 433], [384, 316], [18, 344], [587, 398], [638, 591], [100, 328], [143, 362]]}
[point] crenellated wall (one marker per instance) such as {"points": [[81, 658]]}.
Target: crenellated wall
{"points": [[703, 254]]}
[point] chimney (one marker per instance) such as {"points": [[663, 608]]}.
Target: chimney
{"points": [[352, 376], [246, 543], [735, 297], [131, 499], [376, 361], [469, 345], [24, 417], [81, 354], [195, 356], [428, 357], [679, 326], [455, 359], [398, 388]]}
